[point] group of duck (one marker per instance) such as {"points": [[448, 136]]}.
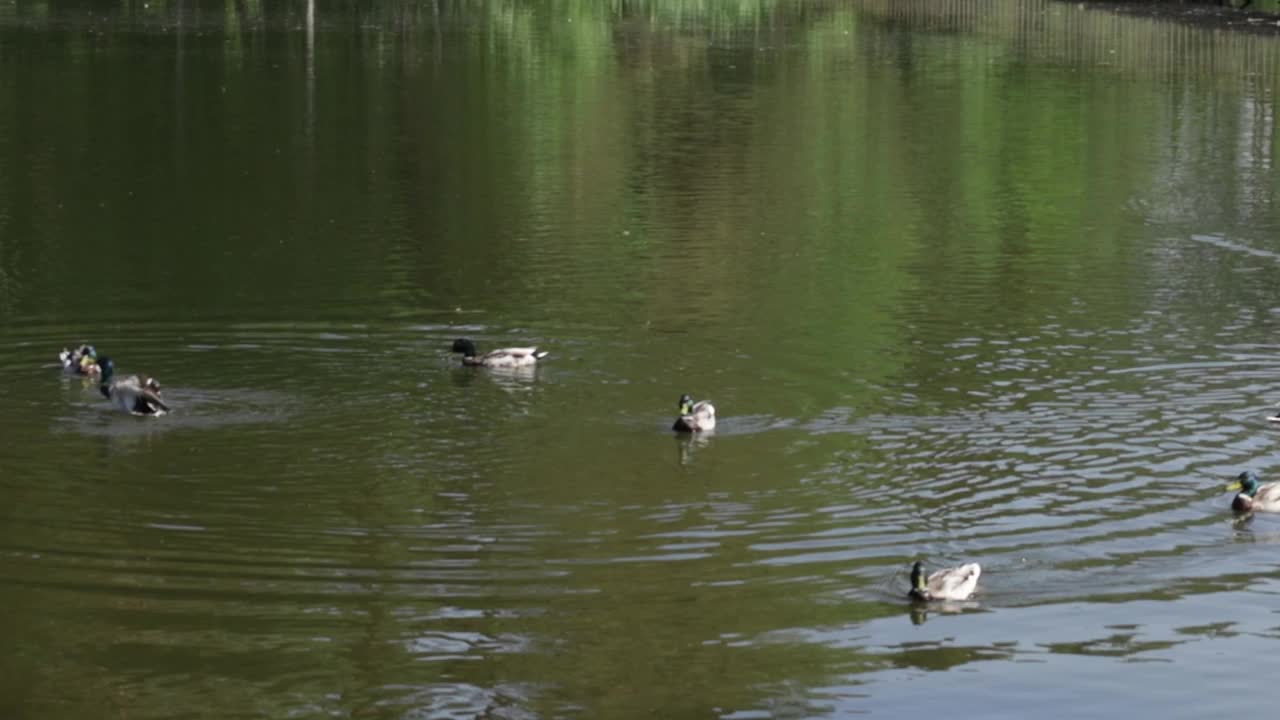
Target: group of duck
{"points": [[956, 583], [136, 394], [140, 395]]}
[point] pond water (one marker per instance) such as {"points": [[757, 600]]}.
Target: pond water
{"points": [[967, 281]]}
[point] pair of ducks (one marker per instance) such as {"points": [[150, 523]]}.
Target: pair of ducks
{"points": [[694, 417], [139, 395], [958, 583]]}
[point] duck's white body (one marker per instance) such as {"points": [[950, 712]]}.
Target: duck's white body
{"points": [[1267, 499], [956, 583], [507, 357], [701, 418], [501, 358], [135, 395], [131, 393]]}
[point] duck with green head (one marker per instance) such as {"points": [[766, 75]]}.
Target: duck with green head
{"points": [[1253, 495], [957, 583], [132, 394], [81, 361], [695, 417], [511, 357]]}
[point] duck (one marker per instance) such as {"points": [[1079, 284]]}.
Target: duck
{"points": [[1253, 495], [695, 417], [132, 394], [957, 583], [81, 361], [501, 358]]}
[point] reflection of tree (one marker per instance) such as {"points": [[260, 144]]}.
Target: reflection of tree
{"points": [[930, 656], [1115, 645]]}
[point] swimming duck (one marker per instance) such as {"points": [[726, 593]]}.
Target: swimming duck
{"points": [[81, 361], [955, 583], [1254, 495], [695, 417], [500, 358], [133, 394]]}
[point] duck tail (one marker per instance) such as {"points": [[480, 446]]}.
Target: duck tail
{"points": [[539, 354]]}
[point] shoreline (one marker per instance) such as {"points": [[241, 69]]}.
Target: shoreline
{"points": [[1209, 17]]}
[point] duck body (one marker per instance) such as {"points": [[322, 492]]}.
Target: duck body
{"points": [[695, 417], [82, 360], [1254, 495], [138, 395], [511, 357], [957, 583]]}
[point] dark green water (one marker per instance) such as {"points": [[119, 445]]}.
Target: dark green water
{"points": [[967, 280]]}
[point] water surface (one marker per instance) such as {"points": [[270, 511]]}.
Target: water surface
{"points": [[967, 281]]}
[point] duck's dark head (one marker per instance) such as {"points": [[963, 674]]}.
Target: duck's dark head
{"points": [[917, 576], [686, 404], [1247, 483], [464, 346], [107, 369]]}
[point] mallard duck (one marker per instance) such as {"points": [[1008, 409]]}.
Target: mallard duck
{"points": [[133, 394], [695, 417], [1254, 495], [955, 583], [80, 361], [500, 358]]}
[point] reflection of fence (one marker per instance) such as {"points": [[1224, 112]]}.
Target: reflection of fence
{"points": [[1220, 122], [1094, 36]]}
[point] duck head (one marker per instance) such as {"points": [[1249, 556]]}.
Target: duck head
{"points": [[686, 404], [917, 576], [107, 369], [464, 346], [919, 586], [1246, 483]]}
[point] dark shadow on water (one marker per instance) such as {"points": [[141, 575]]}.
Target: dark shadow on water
{"points": [[464, 376]]}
